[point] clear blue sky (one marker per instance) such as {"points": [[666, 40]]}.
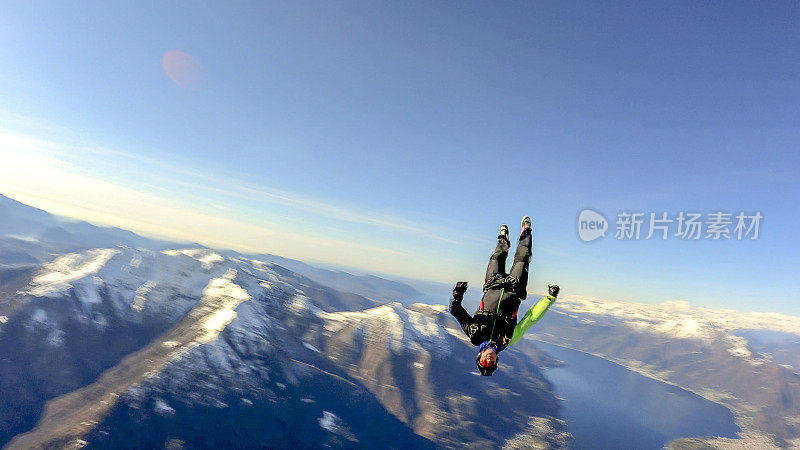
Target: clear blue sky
{"points": [[409, 131]]}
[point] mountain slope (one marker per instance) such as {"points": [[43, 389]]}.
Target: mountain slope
{"points": [[416, 361], [370, 286], [29, 236], [697, 349], [118, 341]]}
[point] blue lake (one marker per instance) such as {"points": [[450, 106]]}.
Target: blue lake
{"points": [[607, 406]]}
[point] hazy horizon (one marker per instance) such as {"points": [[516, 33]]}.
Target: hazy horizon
{"points": [[396, 138]]}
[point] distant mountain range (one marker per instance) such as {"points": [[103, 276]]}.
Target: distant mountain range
{"points": [[31, 236], [133, 348], [370, 286], [126, 347], [112, 340], [738, 359]]}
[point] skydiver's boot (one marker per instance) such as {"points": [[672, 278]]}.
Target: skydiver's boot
{"points": [[524, 225], [504, 233]]}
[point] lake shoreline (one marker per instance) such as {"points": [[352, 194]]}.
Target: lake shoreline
{"points": [[748, 436]]}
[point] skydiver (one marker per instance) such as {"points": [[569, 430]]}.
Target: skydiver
{"points": [[494, 325]]}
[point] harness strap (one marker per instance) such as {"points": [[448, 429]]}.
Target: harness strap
{"points": [[497, 313]]}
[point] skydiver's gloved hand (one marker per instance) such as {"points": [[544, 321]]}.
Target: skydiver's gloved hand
{"points": [[553, 290], [458, 292]]}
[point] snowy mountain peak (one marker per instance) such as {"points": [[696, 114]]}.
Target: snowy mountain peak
{"points": [[678, 317], [57, 275], [402, 328], [206, 257], [224, 296], [137, 283]]}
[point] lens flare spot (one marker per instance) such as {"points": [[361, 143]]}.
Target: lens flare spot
{"points": [[184, 69]]}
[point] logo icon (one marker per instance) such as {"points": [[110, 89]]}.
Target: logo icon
{"points": [[591, 225]]}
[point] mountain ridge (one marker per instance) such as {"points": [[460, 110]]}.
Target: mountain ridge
{"points": [[719, 354], [235, 328], [29, 236]]}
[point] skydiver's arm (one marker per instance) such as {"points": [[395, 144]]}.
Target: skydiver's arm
{"points": [[531, 317], [461, 315], [458, 311]]}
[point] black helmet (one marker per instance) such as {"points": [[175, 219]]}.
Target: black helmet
{"points": [[489, 369]]}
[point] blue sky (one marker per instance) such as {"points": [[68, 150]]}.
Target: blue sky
{"points": [[397, 136]]}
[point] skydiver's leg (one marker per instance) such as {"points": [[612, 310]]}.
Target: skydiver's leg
{"points": [[522, 260], [497, 262]]}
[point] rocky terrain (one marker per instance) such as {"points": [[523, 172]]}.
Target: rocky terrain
{"points": [[127, 347], [699, 349], [112, 340]]}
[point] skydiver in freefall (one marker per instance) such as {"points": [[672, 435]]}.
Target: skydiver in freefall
{"points": [[494, 325]]}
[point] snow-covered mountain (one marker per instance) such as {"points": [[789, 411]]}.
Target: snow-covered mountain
{"points": [[109, 342], [712, 352], [30, 236], [369, 286], [139, 348]]}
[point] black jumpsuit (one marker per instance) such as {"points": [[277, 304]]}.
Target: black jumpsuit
{"points": [[491, 323]]}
